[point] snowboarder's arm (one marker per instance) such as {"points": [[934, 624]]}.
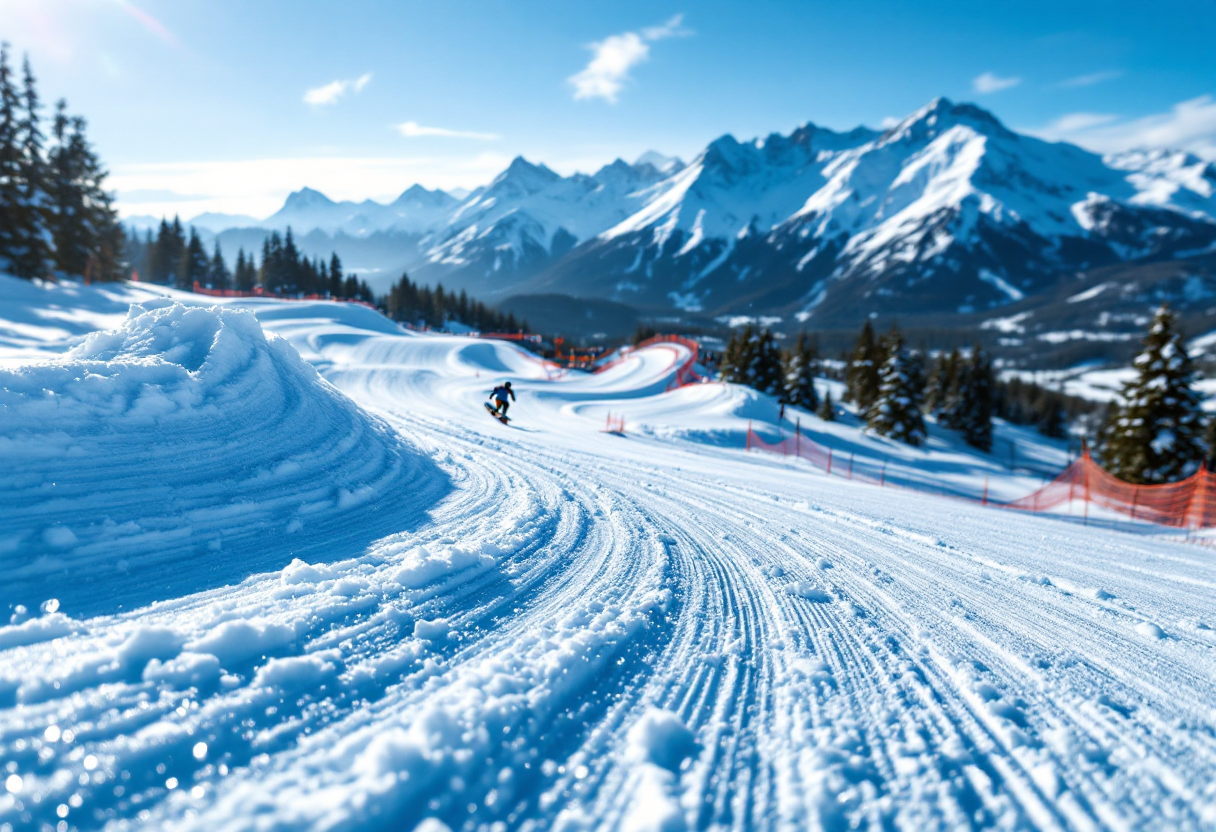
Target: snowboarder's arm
{"points": [[512, 392]]}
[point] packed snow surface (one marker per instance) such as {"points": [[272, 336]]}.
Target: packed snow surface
{"points": [[554, 627], [185, 449]]}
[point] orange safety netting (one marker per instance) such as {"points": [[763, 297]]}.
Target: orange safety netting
{"points": [[1190, 503], [842, 465]]}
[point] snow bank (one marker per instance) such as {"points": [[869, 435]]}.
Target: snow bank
{"points": [[186, 436], [660, 737]]}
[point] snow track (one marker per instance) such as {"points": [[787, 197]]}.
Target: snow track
{"points": [[596, 632]]}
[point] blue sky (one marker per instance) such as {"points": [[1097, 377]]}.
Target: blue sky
{"points": [[221, 105]]}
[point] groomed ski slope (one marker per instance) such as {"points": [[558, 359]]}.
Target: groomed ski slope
{"points": [[654, 631]]}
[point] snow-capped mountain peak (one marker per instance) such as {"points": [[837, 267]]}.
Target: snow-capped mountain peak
{"points": [[418, 195], [523, 177], [663, 164], [306, 199], [947, 210]]}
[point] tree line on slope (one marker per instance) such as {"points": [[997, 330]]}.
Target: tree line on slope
{"points": [[422, 306], [753, 358], [173, 257], [1155, 433], [893, 390], [884, 379], [55, 215]]}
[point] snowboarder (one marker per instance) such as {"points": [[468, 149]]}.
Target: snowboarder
{"points": [[499, 397]]}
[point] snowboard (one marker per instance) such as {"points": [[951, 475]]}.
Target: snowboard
{"points": [[491, 411]]}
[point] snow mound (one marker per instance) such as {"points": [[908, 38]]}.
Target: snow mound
{"points": [[661, 738], [185, 436], [808, 591]]}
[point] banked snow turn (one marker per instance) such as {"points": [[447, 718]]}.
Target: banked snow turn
{"points": [[587, 631]]}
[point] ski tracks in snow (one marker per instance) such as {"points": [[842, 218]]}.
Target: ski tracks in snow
{"points": [[651, 637]]}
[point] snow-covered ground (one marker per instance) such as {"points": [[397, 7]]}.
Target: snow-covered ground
{"points": [[415, 615]]}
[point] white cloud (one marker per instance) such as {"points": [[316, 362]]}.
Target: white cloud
{"points": [[1090, 79], [615, 55], [987, 82], [1189, 125], [257, 187], [331, 92], [671, 29], [889, 122], [412, 130], [1073, 122]]}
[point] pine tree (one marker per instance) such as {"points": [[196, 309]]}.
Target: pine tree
{"points": [[55, 214], [977, 431], [739, 356], [644, 332], [765, 369], [437, 316], [941, 381], [10, 167], [827, 408], [1154, 436], [799, 369], [270, 273], [335, 276], [729, 358], [1052, 422], [969, 405], [245, 275], [861, 378], [194, 264], [895, 412], [217, 273], [30, 253], [166, 252], [84, 228], [916, 373], [135, 251], [289, 264], [1209, 440], [70, 226]]}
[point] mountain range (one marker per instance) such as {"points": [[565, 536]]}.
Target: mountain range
{"points": [[948, 212]]}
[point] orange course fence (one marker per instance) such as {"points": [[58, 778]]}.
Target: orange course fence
{"points": [[1190, 503], [614, 423]]}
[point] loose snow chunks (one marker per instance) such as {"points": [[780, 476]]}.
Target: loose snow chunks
{"points": [[421, 566], [174, 454], [294, 672], [240, 641], [807, 590]]}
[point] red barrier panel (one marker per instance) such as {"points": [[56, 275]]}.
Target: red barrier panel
{"points": [[1190, 503], [685, 372]]}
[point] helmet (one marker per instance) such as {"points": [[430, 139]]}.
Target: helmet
{"points": [[508, 384]]}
